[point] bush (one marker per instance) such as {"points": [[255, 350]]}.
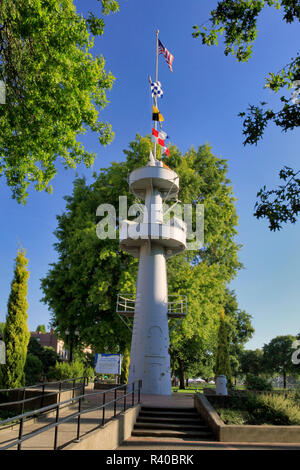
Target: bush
{"points": [[46, 354], [89, 372], [66, 370], [274, 409], [33, 369], [254, 382], [49, 358], [260, 409], [233, 416]]}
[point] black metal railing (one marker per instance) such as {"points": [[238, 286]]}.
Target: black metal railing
{"points": [[78, 414], [83, 381]]}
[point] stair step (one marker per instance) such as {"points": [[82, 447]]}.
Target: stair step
{"points": [[171, 433], [169, 408], [166, 426], [166, 413], [173, 420]]}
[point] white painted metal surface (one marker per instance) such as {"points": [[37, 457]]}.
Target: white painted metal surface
{"points": [[152, 242]]}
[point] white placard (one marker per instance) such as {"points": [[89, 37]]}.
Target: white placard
{"points": [[108, 363]]}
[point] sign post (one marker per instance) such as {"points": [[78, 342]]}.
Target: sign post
{"points": [[108, 364]]}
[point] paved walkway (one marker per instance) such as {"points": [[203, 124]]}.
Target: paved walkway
{"points": [[92, 420], [66, 431], [179, 400]]}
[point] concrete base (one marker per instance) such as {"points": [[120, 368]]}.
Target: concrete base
{"points": [[111, 435]]}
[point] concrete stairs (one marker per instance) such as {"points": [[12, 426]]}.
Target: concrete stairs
{"points": [[157, 424]]}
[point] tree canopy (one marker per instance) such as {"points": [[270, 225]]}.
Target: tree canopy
{"points": [[81, 287], [237, 21], [277, 356], [55, 89]]}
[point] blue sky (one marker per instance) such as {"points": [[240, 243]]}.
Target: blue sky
{"points": [[202, 99]]}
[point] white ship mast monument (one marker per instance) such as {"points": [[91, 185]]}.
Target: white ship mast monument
{"points": [[153, 241]]}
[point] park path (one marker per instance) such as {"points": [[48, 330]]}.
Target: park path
{"points": [[67, 432], [92, 420]]}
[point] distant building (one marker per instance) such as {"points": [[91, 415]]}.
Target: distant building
{"points": [[51, 340]]}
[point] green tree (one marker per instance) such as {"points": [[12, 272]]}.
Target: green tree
{"points": [[237, 20], [240, 330], [34, 347], [2, 328], [278, 356], [203, 179], [81, 288], [55, 89], [16, 333], [251, 362], [40, 329], [49, 358], [33, 369], [222, 366], [45, 354]]}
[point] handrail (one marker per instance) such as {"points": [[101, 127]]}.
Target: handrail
{"points": [[126, 303], [42, 384], [49, 394], [56, 406]]}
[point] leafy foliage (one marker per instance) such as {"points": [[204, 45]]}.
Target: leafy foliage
{"points": [[260, 409], [16, 333], [40, 329], [45, 354], [54, 90], [282, 204], [81, 287], [67, 370], [251, 362], [278, 356], [222, 366], [33, 369], [254, 382], [237, 20]]}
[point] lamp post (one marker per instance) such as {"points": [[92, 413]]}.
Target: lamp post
{"points": [[67, 333], [70, 340]]}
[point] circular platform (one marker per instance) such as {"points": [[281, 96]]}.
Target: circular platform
{"points": [[171, 237], [161, 178]]}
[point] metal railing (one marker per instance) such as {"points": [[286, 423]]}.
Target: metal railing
{"points": [[177, 304], [78, 414], [44, 392], [125, 303]]}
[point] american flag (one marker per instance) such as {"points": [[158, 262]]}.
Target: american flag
{"points": [[168, 56]]}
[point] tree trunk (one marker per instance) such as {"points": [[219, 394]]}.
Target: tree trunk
{"points": [[181, 375], [284, 378]]}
